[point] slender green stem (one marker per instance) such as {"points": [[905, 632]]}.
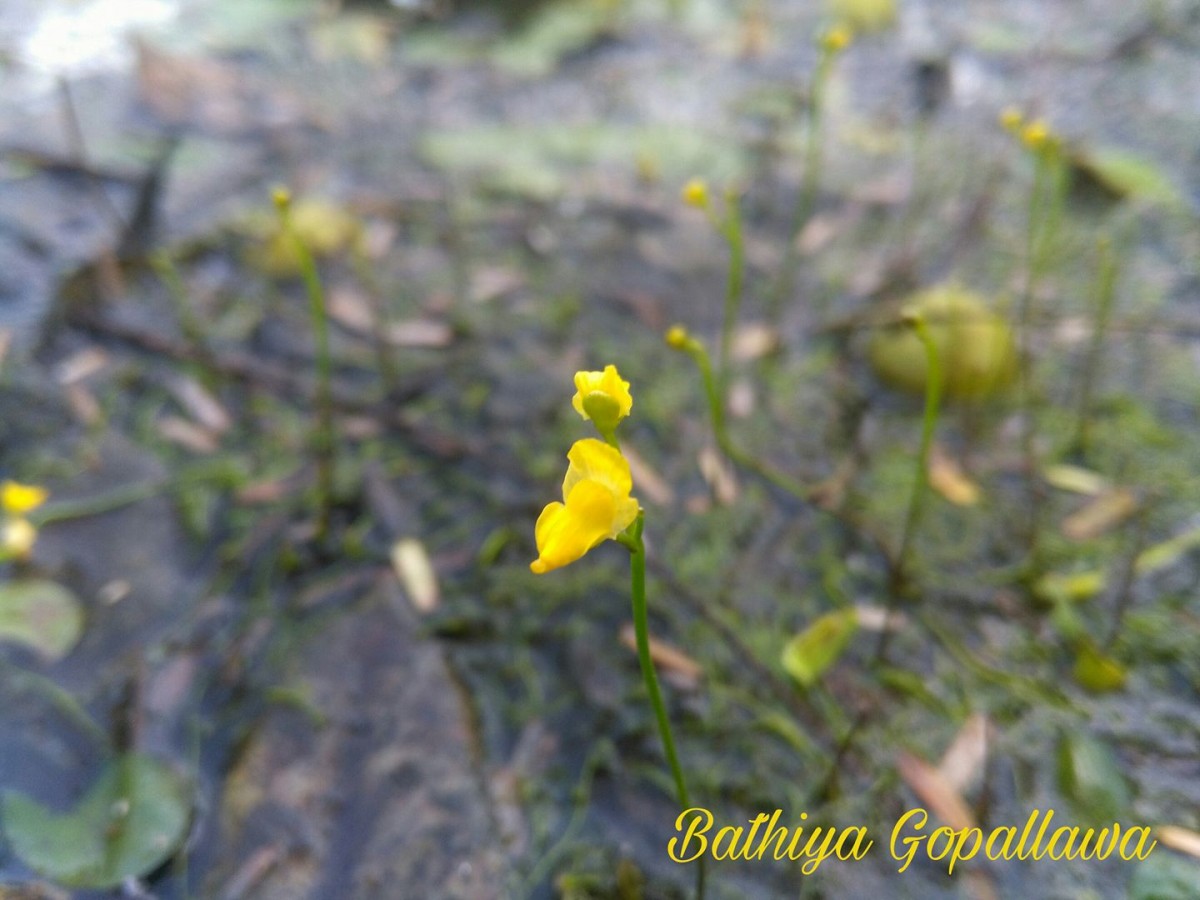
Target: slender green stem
{"points": [[632, 538], [641, 629], [1046, 200], [716, 409], [164, 266], [324, 442], [1106, 279], [933, 400], [899, 576], [811, 179], [732, 230]]}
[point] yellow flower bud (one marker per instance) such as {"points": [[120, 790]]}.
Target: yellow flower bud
{"points": [[1011, 119], [18, 499], [1037, 135], [596, 506], [281, 197], [613, 403], [17, 538], [835, 39], [677, 337], [695, 193]]}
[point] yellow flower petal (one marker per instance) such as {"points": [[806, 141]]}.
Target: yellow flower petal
{"points": [[609, 383], [565, 532], [594, 460], [597, 506], [18, 499]]}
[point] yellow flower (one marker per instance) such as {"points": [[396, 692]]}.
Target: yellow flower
{"points": [[836, 39], [597, 506], [677, 337], [602, 397], [1011, 119], [17, 538], [1037, 136], [695, 193], [18, 499]]}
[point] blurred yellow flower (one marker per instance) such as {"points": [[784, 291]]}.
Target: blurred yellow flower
{"points": [[597, 506], [677, 337], [1011, 119], [602, 397], [836, 39], [695, 193], [1037, 136], [18, 499], [17, 538]]}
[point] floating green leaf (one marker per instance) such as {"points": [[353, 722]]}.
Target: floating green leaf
{"points": [[42, 614], [1090, 779], [1069, 587], [1097, 671], [128, 823], [1127, 176], [1162, 555], [812, 651]]}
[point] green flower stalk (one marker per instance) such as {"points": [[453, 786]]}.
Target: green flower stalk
{"points": [[695, 193], [831, 45], [1106, 279], [933, 400], [899, 577], [323, 438], [1047, 198], [597, 505]]}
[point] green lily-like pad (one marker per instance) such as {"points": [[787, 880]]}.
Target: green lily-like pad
{"points": [[1125, 175], [816, 648], [42, 614], [129, 822]]}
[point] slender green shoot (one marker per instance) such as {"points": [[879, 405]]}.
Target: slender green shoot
{"points": [[164, 266], [831, 44], [323, 437], [933, 400], [731, 228], [1106, 280], [632, 538]]}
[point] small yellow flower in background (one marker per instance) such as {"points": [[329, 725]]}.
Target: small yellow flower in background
{"points": [[18, 499], [695, 193], [677, 337], [17, 538], [1037, 136], [836, 39], [597, 506], [602, 398], [1011, 119], [281, 197]]}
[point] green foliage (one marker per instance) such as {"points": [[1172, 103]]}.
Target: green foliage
{"points": [[819, 646], [1090, 779], [42, 614], [127, 824]]}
